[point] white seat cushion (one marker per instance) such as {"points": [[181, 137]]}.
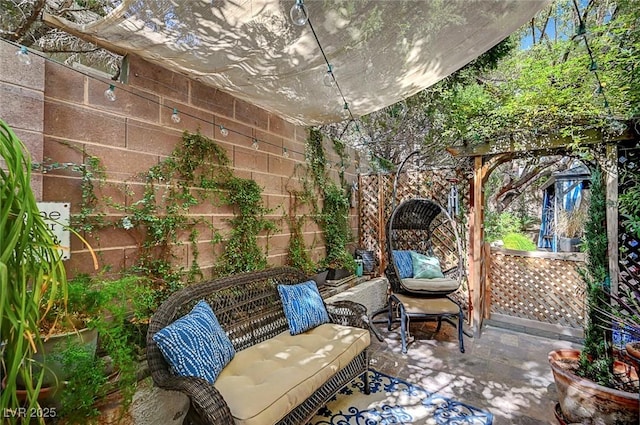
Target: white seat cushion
{"points": [[431, 286], [266, 381], [413, 305]]}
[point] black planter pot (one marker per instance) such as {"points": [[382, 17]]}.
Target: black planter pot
{"points": [[320, 278], [337, 274]]}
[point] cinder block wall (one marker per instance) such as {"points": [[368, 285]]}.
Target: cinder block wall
{"points": [[68, 113], [21, 104]]}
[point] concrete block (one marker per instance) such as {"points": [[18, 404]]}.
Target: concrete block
{"points": [[158, 80], [281, 127], [191, 119], [21, 108], [151, 138], [81, 124], [63, 83], [371, 293], [15, 72], [130, 101], [251, 114], [212, 99], [249, 159], [152, 405]]}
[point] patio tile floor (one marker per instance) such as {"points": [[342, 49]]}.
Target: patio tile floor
{"points": [[503, 371]]}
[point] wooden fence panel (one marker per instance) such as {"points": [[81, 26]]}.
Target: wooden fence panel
{"points": [[540, 286], [628, 240], [376, 204]]}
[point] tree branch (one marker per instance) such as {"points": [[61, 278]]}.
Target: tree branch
{"points": [[23, 29]]}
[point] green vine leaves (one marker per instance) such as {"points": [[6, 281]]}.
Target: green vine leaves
{"points": [[158, 217]]}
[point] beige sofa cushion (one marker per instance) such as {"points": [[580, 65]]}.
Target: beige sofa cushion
{"points": [[436, 286], [266, 381]]}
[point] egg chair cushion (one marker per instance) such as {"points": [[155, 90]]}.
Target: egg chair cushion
{"points": [[403, 263], [437, 286], [425, 267]]}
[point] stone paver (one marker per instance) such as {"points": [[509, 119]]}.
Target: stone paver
{"points": [[503, 371]]}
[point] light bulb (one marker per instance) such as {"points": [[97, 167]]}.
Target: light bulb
{"points": [[298, 13], [328, 79], [345, 111], [110, 93], [255, 144], [593, 66], [175, 117], [23, 56], [223, 131], [285, 153]]}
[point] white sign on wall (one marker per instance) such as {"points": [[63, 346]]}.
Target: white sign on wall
{"points": [[56, 217]]}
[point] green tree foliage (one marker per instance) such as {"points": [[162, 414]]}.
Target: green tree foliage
{"points": [[556, 87]]}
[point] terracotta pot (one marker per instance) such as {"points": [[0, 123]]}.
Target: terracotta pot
{"points": [[45, 393], [633, 350], [582, 399]]}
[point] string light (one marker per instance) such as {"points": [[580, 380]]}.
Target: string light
{"points": [[223, 131], [23, 56], [255, 145], [328, 80], [285, 153], [298, 13], [110, 93], [346, 113], [175, 117], [593, 66]]}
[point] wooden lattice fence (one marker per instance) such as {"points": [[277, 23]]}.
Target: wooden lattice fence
{"points": [[541, 286], [628, 240], [447, 186]]}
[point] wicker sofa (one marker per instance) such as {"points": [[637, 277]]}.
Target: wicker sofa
{"points": [[274, 377]]}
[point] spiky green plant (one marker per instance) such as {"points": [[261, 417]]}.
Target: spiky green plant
{"points": [[596, 360], [32, 274]]}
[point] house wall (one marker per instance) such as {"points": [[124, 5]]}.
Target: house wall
{"points": [[64, 117]]}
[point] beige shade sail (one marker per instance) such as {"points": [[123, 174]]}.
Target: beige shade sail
{"points": [[381, 51]]}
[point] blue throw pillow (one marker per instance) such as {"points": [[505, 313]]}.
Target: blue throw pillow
{"points": [[303, 306], [425, 267], [195, 344], [403, 263]]}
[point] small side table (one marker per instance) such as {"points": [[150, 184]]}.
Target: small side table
{"points": [[425, 309]]}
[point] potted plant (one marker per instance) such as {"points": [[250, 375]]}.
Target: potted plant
{"points": [[32, 274], [588, 388], [70, 319]]}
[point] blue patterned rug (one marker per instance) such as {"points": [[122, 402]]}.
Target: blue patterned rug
{"points": [[394, 401]]}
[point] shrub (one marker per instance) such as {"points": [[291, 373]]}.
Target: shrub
{"points": [[518, 242], [498, 225]]}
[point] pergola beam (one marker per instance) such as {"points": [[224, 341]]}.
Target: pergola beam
{"points": [[539, 143]]}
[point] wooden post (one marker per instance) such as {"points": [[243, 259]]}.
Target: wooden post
{"points": [[611, 176], [476, 235]]}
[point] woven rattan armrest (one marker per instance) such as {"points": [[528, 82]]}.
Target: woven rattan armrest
{"points": [[205, 398], [347, 313], [350, 313]]}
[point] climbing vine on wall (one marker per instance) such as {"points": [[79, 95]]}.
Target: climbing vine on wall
{"points": [[332, 216], [242, 252], [196, 172]]}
